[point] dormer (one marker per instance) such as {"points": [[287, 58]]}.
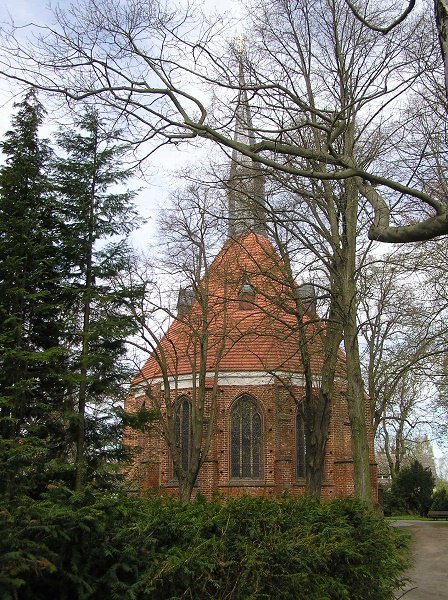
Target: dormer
{"points": [[306, 293], [184, 301], [246, 295]]}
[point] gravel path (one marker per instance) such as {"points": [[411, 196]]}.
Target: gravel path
{"points": [[429, 573]]}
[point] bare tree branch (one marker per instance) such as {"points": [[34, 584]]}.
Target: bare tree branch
{"points": [[387, 28]]}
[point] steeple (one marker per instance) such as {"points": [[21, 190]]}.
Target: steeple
{"points": [[246, 196]]}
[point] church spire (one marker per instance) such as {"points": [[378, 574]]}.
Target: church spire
{"points": [[246, 195]]}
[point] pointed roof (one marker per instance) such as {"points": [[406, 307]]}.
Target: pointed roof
{"points": [[233, 338], [242, 317], [244, 132], [246, 194]]}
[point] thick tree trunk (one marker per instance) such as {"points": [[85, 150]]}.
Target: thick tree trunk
{"points": [[317, 419], [356, 399], [318, 405], [186, 485], [200, 443], [358, 418]]}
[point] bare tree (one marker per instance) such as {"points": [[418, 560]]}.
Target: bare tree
{"points": [[146, 64], [176, 334], [432, 265], [442, 468], [404, 424], [319, 397], [325, 215], [392, 20], [402, 341]]}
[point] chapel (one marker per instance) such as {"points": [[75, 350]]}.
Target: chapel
{"points": [[227, 378]]}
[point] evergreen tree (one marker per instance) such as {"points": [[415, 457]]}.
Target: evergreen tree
{"points": [[32, 360], [97, 221], [412, 489], [439, 500]]}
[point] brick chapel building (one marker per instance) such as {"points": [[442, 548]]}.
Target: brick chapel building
{"points": [[227, 378]]}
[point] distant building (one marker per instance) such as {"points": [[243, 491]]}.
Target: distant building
{"points": [[419, 449]]}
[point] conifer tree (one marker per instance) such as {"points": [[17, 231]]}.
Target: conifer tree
{"points": [[96, 223], [32, 360]]}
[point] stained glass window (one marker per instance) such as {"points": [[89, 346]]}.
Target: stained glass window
{"points": [[300, 447], [183, 431], [245, 439]]}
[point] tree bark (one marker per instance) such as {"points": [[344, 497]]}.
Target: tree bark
{"points": [[356, 399], [317, 412], [318, 405]]}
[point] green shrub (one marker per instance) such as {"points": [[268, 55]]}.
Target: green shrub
{"points": [[439, 500], [393, 504], [410, 492], [96, 545]]}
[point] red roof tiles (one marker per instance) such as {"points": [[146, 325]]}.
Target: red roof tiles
{"points": [[218, 334]]}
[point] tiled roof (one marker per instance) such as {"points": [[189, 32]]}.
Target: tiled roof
{"points": [[228, 338]]}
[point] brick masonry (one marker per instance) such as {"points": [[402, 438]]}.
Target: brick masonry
{"points": [[152, 468], [251, 350]]}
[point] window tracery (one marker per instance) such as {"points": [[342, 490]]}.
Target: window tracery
{"points": [[183, 431], [245, 439]]}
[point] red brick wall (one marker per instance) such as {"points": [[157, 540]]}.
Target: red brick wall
{"points": [[151, 467]]}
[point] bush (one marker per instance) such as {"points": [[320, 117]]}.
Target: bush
{"points": [[96, 546], [393, 504], [439, 500], [410, 492]]}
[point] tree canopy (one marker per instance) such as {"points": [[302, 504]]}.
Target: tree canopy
{"points": [[171, 75], [63, 329]]}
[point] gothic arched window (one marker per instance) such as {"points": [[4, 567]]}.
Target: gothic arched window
{"points": [[300, 447], [245, 439], [183, 431]]}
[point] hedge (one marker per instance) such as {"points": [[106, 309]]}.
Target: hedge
{"points": [[98, 545]]}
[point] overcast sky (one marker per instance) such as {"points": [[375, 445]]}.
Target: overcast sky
{"points": [[155, 192], [160, 172]]}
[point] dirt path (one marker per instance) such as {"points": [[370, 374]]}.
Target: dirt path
{"points": [[429, 574]]}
